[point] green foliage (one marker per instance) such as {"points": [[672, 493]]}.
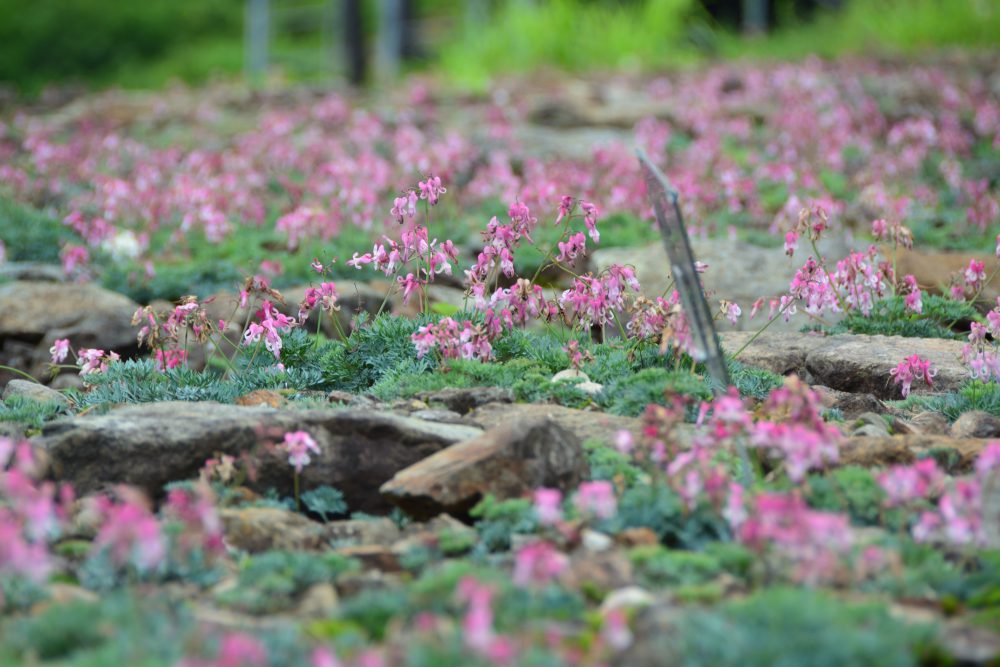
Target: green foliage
{"points": [[973, 395], [373, 351], [271, 581], [784, 627], [325, 501], [889, 317], [498, 520], [571, 35], [139, 381], [121, 629], [172, 281], [607, 463], [39, 43], [850, 489], [372, 609], [29, 235], [28, 411], [19, 593], [659, 508], [657, 566], [630, 394]]}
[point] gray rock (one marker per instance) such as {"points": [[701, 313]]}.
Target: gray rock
{"points": [[737, 271], [151, 445], [585, 425], [975, 424], [507, 461], [90, 316], [34, 391], [850, 362], [33, 271]]}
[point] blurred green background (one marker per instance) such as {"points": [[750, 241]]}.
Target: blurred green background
{"points": [[149, 43]]}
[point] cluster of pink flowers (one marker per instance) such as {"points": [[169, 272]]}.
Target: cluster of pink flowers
{"points": [[907, 484], [909, 370], [810, 546], [324, 297], [958, 518], [92, 360], [477, 625], [596, 500], [235, 650], [594, 300], [576, 356], [499, 243], [32, 514], [982, 358], [272, 324], [538, 563], [453, 340], [298, 445]]}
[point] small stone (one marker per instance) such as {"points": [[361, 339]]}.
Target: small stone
{"points": [[353, 532], [266, 397], [930, 423], [374, 557], [594, 541], [598, 573], [975, 424], [590, 388], [853, 406], [36, 392], [320, 601], [442, 416], [570, 374], [257, 529], [637, 537], [871, 431], [627, 598]]}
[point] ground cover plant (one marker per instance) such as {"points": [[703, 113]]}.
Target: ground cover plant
{"points": [[722, 525]]}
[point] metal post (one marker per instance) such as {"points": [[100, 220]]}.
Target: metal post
{"points": [[354, 40], [754, 16], [390, 37], [257, 34]]}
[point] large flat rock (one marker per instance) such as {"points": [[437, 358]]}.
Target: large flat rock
{"points": [[151, 445], [850, 362], [508, 461]]}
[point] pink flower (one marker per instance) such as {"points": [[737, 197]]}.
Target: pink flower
{"points": [[590, 214], [910, 369], [431, 189], [60, 350], [596, 499], [298, 444], [735, 511], [791, 243], [733, 311], [538, 563], [548, 506], [975, 274], [907, 484], [131, 534]]}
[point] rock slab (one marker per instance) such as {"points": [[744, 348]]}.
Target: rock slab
{"points": [[151, 445], [508, 461]]}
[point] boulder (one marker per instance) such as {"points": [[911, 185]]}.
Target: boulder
{"points": [[34, 391], [508, 461], [585, 425], [257, 529], [153, 444], [975, 424], [956, 456], [854, 363]]}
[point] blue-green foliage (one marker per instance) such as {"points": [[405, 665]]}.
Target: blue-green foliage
{"points": [[29, 412], [498, 520], [659, 508], [30, 235], [325, 501], [973, 395], [890, 317], [271, 581], [792, 627]]}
